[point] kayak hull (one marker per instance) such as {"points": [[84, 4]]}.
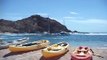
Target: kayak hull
{"points": [[4, 44], [81, 56], [88, 57], [49, 54], [18, 48]]}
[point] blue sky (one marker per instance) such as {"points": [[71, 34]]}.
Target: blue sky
{"points": [[80, 15]]}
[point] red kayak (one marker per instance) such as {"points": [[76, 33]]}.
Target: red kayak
{"points": [[82, 53]]}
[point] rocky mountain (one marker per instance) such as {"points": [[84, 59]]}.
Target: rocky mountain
{"points": [[32, 24]]}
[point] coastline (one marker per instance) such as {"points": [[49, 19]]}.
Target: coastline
{"points": [[5, 54]]}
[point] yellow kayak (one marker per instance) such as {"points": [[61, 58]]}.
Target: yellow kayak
{"points": [[29, 46], [55, 50]]}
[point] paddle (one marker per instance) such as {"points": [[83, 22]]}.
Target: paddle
{"points": [[96, 54]]}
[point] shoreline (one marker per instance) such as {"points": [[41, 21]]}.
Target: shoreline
{"points": [[5, 54], [82, 33]]}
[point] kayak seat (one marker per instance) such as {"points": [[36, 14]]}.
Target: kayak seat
{"points": [[29, 44], [63, 44], [56, 49], [50, 49]]}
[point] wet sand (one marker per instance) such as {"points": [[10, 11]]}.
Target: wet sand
{"points": [[5, 54]]}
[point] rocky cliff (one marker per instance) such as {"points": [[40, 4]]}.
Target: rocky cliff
{"points": [[32, 24]]}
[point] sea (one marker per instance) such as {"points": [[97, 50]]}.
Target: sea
{"points": [[93, 40]]}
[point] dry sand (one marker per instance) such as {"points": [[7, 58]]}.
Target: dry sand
{"points": [[5, 54]]}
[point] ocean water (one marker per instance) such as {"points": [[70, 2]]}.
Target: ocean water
{"points": [[75, 40]]}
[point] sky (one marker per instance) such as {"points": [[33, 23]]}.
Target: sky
{"points": [[80, 15]]}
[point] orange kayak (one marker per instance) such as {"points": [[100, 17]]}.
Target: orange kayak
{"points": [[82, 53]]}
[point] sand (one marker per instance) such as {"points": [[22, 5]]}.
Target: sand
{"points": [[5, 54]]}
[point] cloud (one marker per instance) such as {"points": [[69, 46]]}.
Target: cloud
{"points": [[73, 13], [99, 21], [73, 18], [68, 17], [90, 21], [12, 18]]}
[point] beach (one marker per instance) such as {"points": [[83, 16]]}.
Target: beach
{"points": [[98, 43], [5, 54]]}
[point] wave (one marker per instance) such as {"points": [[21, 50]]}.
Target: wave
{"points": [[89, 34], [96, 34]]}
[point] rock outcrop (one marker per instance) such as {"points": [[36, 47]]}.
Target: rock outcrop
{"points": [[32, 24]]}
